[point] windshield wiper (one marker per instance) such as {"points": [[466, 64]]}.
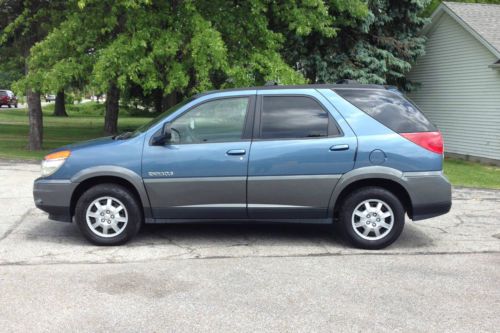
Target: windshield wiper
{"points": [[123, 136]]}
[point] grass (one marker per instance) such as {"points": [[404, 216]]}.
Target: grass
{"points": [[86, 121], [471, 174]]}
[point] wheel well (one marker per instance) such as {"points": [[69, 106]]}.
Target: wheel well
{"points": [[397, 189], [88, 183]]}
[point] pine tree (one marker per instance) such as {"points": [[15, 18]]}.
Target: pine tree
{"points": [[377, 48]]}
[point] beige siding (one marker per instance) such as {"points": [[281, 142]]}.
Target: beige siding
{"points": [[459, 92]]}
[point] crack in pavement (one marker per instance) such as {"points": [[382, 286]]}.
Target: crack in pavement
{"points": [[16, 224], [460, 222], [440, 229], [189, 249], [173, 257]]}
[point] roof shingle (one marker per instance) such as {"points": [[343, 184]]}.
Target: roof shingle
{"points": [[484, 19]]}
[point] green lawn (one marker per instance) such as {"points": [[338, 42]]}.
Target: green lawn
{"points": [[463, 173], [85, 122]]}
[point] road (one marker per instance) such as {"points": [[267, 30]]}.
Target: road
{"points": [[442, 275], [44, 103]]}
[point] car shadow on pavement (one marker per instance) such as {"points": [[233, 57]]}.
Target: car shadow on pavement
{"points": [[228, 234], [270, 233], [263, 232]]}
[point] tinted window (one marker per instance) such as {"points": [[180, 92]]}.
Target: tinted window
{"points": [[389, 108], [215, 121], [293, 117]]}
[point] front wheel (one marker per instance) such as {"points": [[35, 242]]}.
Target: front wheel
{"points": [[108, 214], [372, 218]]}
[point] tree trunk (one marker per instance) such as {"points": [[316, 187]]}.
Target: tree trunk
{"points": [[112, 108], [158, 100], [169, 100], [60, 107], [35, 120]]}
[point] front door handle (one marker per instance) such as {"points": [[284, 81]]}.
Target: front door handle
{"points": [[236, 152], [339, 147]]}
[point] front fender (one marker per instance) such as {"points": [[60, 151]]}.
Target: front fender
{"points": [[119, 172]]}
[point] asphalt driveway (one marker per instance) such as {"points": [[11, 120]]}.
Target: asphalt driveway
{"points": [[443, 274]]}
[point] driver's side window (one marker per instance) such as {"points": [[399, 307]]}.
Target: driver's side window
{"points": [[220, 120]]}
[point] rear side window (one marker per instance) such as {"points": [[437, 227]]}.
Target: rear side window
{"points": [[388, 108], [3, 93], [286, 117]]}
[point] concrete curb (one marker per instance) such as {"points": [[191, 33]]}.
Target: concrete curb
{"points": [[18, 161]]}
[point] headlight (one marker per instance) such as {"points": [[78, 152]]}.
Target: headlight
{"points": [[52, 162]]}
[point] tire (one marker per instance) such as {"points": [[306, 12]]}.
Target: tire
{"points": [[105, 225], [371, 218], [9, 106], [15, 105]]}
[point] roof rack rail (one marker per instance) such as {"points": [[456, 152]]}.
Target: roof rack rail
{"points": [[271, 83], [347, 81]]}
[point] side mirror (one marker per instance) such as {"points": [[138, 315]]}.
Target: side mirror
{"points": [[164, 136]]}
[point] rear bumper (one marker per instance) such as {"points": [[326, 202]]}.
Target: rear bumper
{"points": [[430, 194], [54, 197]]}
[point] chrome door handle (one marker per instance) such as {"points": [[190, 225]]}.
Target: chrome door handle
{"points": [[339, 147], [236, 152]]}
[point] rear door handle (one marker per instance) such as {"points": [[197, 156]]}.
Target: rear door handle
{"points": [[339, 147], [236, 152]]}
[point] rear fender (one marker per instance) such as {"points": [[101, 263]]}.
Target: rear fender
{"points": [[365, 173]]}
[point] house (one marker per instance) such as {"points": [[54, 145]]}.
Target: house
{"points": [[459, 79]]}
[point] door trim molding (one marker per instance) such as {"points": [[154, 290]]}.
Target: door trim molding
{"points": [[194, 179], [294, 177], [239, 178]]}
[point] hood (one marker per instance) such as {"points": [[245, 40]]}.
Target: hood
{"points": [[88, 144]]}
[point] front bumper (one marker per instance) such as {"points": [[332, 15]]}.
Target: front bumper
{"points": [[430, 194], [54, 197]]}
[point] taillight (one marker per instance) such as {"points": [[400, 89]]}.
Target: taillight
{"points": [[432, 141]]}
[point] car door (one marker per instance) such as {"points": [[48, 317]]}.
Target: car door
{"points": [[201, 172], [301, 147]]}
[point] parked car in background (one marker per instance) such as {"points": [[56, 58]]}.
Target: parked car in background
{"points": [[50, 98], [8, 98], [360, 156]]}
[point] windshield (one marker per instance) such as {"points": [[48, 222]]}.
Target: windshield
{"points": [[160, 118]]}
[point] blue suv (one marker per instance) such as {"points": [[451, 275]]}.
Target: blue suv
{"points": [[358, 156]]}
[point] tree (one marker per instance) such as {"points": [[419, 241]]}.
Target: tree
{"points": [[60, 106], [11, 59], [24, 24], [169, 48], [378, 47], [11, 66]]}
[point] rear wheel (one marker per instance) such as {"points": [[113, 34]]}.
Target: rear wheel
{"points": [[108, 214], [9, 106], [372, 218]]}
